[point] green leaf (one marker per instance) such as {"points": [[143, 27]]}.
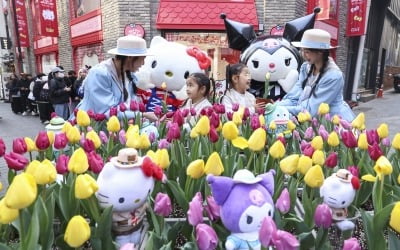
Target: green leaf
{"points": [[381, 218], [46, 220], [394, 241], [62, 244], [4, 247], [103, 230], [368, 228], [178, 193], [32, 237], [189, 246]]}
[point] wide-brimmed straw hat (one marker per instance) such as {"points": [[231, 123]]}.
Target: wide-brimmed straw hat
{"points": [[56, 124], [127, 158], [245, 176], [315, 39], [130, 46]]}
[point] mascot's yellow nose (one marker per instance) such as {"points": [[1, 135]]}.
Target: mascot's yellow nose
{"points": [[137, 200], [169, 73]]}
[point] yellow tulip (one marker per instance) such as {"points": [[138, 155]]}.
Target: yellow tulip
{"points": [[237, 118], [113, 124], [317, 142], [395, 217], [214, 165], [362, 141], [304, 164], [272, 125], [277, 150], [333, 139], [230, 130], [302, 117], [77, 231], [51, 136], [133, 140], [22, 192], [82, 118], [85, 186], [323, 109], [359, 121], [144, 141], [203, 125], [291, 126], [398, 179], [289, 164], [73, 135], [383, 166], [30, 144], [336, 120], [261, 118], [44, 172], [308, 115], [195, 169], [7, 215], [193, 133], [132, 129], [240, 142], [67, 125], [314, 177], [396, 141], [318, 157], [383, 130], [162, 158], [152, 155], [78, 163], [368, 177], [257, 139], [94, 137]]}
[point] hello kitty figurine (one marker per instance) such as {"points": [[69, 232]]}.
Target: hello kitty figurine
{"points": [[125, 183], [244, 202], [170, 66], [338, 192]]}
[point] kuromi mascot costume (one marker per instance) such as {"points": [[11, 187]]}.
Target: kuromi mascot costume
{"points": [[170, 66]]}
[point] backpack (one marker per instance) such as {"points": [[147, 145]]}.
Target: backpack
{"points": [[45, 93], [37, 88]]}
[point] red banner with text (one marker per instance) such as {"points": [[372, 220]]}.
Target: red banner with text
{"points": [[20, 12], [48, 18], [356, 15]]}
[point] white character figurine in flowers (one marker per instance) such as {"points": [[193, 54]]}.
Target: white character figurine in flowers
{"points": [[162, 78], [338, 192], [125, 183], [279, 115]]}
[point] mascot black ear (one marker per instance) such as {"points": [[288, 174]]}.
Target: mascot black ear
{"points": [[240, 35], [294, 29]]}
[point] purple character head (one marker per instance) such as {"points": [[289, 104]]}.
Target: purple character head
{"points": [[244, 200]]}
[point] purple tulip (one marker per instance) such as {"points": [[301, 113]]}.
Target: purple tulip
{"points": [[213, 134], [353, 170], [349, 139], [195, 212], [122, 137], [122, 107], [229, 115], [255, 122], [309, 133], [351, 244], [328, 116], [19, 146], [173, 132], [15, 161], [386, 142], [323, 133], [62, 164], [192, 112], [163, 143], [315, 122], [323, 216], [304, 144], [283, 202], [285, 240], [206, 237], [103, 137], [113, 111], [96, 163], [133, 105], [267, 230], [235, 107], [374, 151], [178, 118], [162, 205], [345, 124], [60, 141], [372, 136], [2, 147], [246, 113], [332, 160], [42, 141], [213, 210], [296, 135]]}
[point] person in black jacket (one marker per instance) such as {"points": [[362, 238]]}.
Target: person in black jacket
{"points": [[59, 93], [23, 85], [15, 94], [77, 93]]}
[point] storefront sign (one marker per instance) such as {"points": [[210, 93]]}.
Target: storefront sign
{"points": [[48, 18], [85, 27], [324, 13], [277, 30], [20, 12], [134, 29], [356, 15]]}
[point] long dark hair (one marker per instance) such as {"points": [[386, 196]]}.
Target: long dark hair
{"points": [[127, 73], [325, 58], [203, 80], [231, 70]]}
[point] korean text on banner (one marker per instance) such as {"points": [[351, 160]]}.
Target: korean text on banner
{"points": [[20, 12], [356, 15], [48, 18]]}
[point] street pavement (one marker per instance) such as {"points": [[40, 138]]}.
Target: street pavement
{"points": [[377, 111]]}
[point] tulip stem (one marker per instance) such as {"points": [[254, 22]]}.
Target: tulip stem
{"points": [[250, 159]]}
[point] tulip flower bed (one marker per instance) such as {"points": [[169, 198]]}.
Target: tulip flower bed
{"points": [[59, 208]]}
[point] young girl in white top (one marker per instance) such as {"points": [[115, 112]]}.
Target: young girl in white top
{"points": [[237, 83], [198, 87]]}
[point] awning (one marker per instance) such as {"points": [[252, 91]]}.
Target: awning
{"points": [[204, 14]]}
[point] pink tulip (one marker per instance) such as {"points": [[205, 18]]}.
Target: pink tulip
{"points": [[96, 163], [353, 170], [267, 230], [235, 107], [372, 136], [285, 240], [158, 111], [173, 132], [323, 216], [19, 146], [219, 108], [122, 107], [203, 112], [87, 145], [255, 122], [178, 118], [142, 108], [133, 105], [62, 164], [195, 212], [351, 244], [76, 112], [60, 141], [15, 161], [91, 113], [192, 112], [100, 117], [374, 151], [309, 133], [103, 137], [331, 160], [2, 147], [206, 237], [213, 134], [113, 111], [213, 210], [214, 120], [323, 133], [246, 113], [122, 137], [345, 124], [282, 139], [283, 202], [308, 151], [315, 122], [229, 115], [327, 117], [162, 205], [349, 139], [386, 142], [53, 114], [42, 141], [163, 143]]}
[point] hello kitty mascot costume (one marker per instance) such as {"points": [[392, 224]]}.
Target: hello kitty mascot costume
{"points": [[244, 202], [338, 192], [170, 66], [125, 183]]}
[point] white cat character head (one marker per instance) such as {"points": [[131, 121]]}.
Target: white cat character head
{"points": [[126, 181]]}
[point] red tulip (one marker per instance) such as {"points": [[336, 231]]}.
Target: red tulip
{"points": [[91, 113], [62, 164], [332, 160], [178, 118], [134, 106], [158, 111], [349, 139], [206, 237], [60, 141], [374, 151], [308, 151], [142, 108], [19, 146], [162, 205], [15, 161], [195, 212], [2, 147], [99, 117], [219, 108], [214, 120], [42, 141], [53, 114], [96, 163]]}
